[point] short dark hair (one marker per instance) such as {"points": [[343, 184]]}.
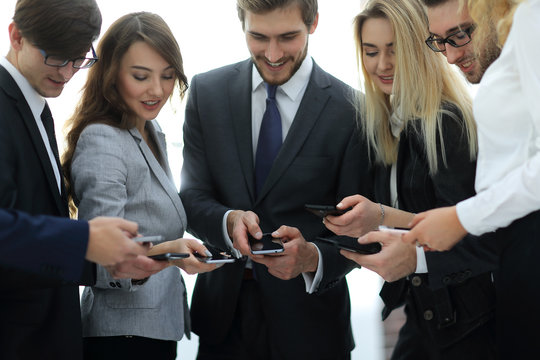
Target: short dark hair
{"points": [[64, 28], [309, 8]]}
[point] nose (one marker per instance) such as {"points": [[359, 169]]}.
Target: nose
{"points": [[156, 88], [67, 71], [273, 51], [453, 54], [385, 62]]}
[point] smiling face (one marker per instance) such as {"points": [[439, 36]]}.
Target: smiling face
{"points": [[278, 42], [378, 57], [48, 81], [145, 81], [445, 19]]}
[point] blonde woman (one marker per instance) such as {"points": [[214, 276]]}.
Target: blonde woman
{"points": [[417, 118], [507, 109]]}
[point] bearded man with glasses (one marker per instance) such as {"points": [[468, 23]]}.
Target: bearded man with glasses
{"points": [[452, 29]]}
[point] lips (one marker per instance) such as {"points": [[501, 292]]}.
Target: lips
{"points": [[466, 66], [386, 79], [151, 104]]}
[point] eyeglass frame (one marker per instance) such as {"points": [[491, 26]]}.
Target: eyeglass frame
{"points": [[467, 31], [91, 62]]}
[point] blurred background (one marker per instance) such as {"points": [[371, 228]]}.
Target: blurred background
{"points": [[210, 35]]}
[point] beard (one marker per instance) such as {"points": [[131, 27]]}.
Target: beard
{"points": [[487, 54], [296, 65]]}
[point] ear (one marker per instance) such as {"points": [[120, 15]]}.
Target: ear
{"points": [[15, 37], [314, 25]]}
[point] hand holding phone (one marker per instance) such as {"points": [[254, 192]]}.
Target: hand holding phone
{"points": [[169, 256], [154, 239], [217, 257], [267, 245], [323, 210], [352, 244]]}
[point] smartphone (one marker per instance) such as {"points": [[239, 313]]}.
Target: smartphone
{"points": [[324, 210], [397, 230], [267, 245], [351, 244], [154, 239], [216, 258], [169, 256]]}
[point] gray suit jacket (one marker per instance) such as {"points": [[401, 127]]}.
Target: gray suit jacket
{"points": [[320, 162], [114, 173]]}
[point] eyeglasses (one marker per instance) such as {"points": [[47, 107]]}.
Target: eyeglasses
{"points": [[458, 39], [77, 63]]}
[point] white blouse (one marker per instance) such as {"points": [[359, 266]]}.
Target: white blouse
{"points": [[507, 110]]}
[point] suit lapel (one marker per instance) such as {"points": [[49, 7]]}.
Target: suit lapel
{"points": [[12, 89], [240, 102], [162, 173], [311, 106]]}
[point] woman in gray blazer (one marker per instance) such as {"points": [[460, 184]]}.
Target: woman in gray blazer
{"points": [[117, 164]]}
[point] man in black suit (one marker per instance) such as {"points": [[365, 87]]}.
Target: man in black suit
{"points": [[294, 306], [40, 316], [55, 246]]}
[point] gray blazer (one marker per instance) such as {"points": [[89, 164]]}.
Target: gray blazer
{"points": [[114, 173]]}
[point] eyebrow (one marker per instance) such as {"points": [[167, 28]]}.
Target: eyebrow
{"points": [[138, 67], [294, 32], [454, 29], [372, 45]]}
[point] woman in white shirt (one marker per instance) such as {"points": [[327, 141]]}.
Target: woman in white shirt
{"points": [[507, 109]]}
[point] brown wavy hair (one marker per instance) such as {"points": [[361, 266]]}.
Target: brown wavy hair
{"points": [[100, 101]]}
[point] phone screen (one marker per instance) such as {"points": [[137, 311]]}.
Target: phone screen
{"points": [[266, 245]]}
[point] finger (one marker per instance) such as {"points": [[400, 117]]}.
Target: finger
{"points": [[416, 219], [410, 237], [128, 226], [196, 246], [350, 201]]}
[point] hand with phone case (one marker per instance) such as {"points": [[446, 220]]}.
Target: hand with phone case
{"points": [[365, 216], [395, 260], [298, 255], [215, 256], [186, 262]]}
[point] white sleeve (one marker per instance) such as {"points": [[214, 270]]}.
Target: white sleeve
{"points": [[518, 193]]}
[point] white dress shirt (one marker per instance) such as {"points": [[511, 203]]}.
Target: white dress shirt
{"points": [[288, 98], [36, 103], [507, 109]]}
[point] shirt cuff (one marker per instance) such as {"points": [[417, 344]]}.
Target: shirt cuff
{"points": [[421, 263], [314, 280], [226, 237]]}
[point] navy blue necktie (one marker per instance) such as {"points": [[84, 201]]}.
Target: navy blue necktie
{"points": [[48, 124], [270, 139]]}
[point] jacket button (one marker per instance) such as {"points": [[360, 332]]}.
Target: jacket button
{"points": [[416, 281], [428, 315], [446, 280], [112, 284], [118, 285]]}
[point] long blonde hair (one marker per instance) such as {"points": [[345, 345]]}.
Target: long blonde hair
{"points": [[423, 83]]}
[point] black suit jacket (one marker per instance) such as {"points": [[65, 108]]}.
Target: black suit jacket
{"points": [[40, 314], [458, 288], [320, 162]]}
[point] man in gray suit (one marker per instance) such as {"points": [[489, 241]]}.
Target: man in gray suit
{"points": [[294, 306]]}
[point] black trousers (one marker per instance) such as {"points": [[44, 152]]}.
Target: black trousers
{"points": [[518, 289], [248, 338], [128, 348]]}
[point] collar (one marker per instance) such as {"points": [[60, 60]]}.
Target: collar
{"points": [[296, 83], [35, 101]]}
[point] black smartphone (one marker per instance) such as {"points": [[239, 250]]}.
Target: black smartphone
{"points": [[216, 258], [351, 244], [169, 256], [267, 245], [154, 239], [324, 210]]}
